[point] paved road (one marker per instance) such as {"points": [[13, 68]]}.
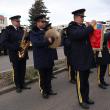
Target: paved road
{"points": [[5, 63], [65, 100]]}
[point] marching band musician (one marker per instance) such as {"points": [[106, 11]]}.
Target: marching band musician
{"points": [[81, 55], [42, 54], [67, 45], [11, 39], [103, 61]]}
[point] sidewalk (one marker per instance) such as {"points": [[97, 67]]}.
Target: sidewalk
{"points": [[4, 89]]}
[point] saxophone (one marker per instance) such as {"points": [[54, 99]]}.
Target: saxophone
{"points": [[24, 44]]}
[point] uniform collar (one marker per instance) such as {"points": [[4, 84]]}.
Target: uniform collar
{"points": [[15, 27]]}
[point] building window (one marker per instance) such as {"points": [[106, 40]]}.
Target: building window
{"points": [[2, 21], [0, 28]]}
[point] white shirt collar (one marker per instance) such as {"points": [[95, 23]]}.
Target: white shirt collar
{"points": [[15, 27]]}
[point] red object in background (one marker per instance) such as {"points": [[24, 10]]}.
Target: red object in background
{"points": [[96, 39], [109, 44]]}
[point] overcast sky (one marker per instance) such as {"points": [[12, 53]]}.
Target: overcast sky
{"points": [[60, 9]]}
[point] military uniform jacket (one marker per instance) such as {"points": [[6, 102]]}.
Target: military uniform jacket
{"points": [[105, 59], [10, 39], [66, 43], [81, 53], [42, 54]]}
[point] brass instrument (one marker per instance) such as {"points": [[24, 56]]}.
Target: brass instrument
{"points": [[56, 35], [24, 44]]}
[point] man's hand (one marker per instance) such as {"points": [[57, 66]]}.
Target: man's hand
{"points": [[93, 23]]}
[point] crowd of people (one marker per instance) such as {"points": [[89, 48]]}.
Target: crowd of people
{"points": [[77, 49]]}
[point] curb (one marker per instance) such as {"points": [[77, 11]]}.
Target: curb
{"points": [[8, 70], [12, 87]]}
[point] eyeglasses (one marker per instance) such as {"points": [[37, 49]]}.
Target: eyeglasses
{"points": [[17, 21], [43, 21], [81, 16]]}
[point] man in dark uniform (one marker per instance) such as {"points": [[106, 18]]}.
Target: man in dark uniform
{"points": [[11, 39], [1, 48], [81, 55], [103, 60], [42, 54], [0, 45], [67, 45]]}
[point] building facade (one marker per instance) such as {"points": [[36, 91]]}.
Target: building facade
{"points": [[3, 22]]}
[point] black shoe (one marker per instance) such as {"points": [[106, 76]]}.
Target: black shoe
{"points": [[90, 101], [18, 90], [105, 84], [102, 86], [84, 105], [45, 95], [52, 93], [25, 87]]}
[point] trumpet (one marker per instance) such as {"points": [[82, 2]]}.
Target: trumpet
{"points": [[24, 44]]}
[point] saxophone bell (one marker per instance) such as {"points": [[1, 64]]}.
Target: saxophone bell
{"points": [[24, 44]]}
